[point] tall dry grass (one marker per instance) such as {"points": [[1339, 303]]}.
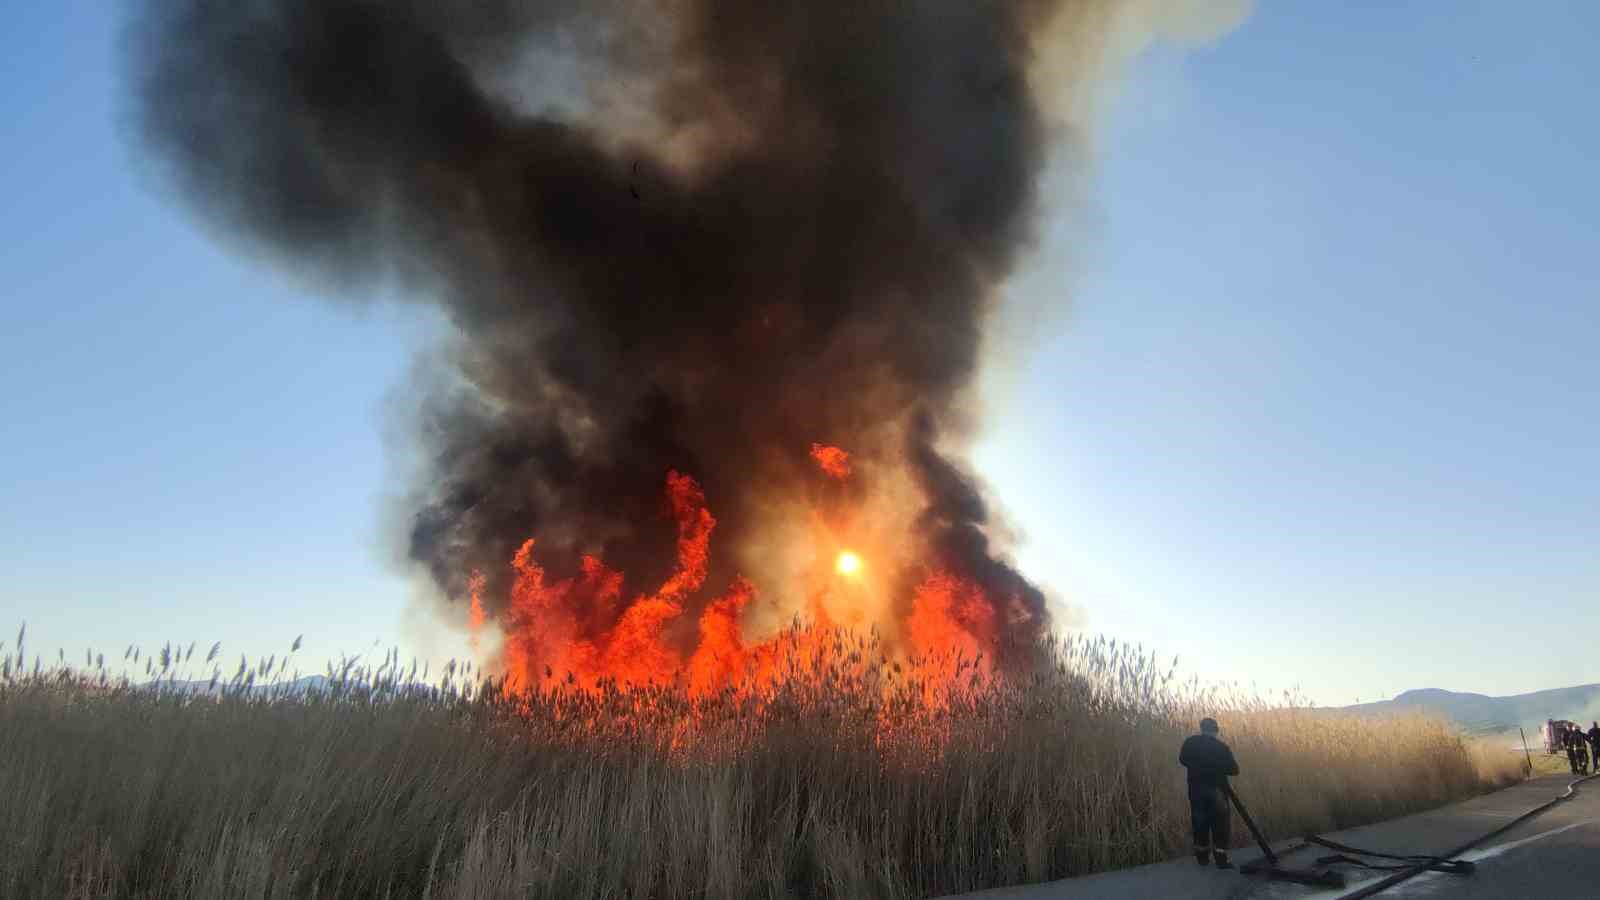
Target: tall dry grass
{"points": [[853, 778]]}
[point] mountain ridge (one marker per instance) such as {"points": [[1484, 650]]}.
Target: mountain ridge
{"points": [[1485, 714]]}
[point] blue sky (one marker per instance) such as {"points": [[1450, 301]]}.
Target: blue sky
{"points": [[1322, 410]]}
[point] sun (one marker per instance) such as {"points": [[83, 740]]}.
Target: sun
{"points": [[847, 564]]}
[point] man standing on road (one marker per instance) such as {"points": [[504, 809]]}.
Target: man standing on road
{"points": [[1209, 762], [1570, 738], [1594, 746]]}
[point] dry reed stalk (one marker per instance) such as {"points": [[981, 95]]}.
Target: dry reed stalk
{"points": [[852, 777]]}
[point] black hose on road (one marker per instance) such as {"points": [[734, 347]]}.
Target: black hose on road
{"points": [[1413, 871]]}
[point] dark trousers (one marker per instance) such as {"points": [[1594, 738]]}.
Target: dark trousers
{"points": [[1212, 816], [1572, 759]]}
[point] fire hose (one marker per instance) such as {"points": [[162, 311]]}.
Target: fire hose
{"points": [[1424, 863], [1403, 866], [1351, 856]]}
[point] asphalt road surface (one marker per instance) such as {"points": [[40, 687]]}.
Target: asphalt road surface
{"points": [[1556, 854]]}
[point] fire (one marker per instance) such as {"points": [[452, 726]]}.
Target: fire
{"points": [[832, 460], [475, 610], [596, 626]]}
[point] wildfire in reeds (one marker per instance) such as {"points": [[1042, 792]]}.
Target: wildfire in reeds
{"points": [[582, 629]]}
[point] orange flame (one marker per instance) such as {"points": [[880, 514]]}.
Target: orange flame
{"points": [[951, 616], [571, 629], [721, 657], [834, 461], [475, 585]]}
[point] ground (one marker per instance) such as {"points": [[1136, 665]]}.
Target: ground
{"points": [[1553, 855]]}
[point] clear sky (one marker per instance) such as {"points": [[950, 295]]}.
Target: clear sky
{"points": [[1324, 410]]}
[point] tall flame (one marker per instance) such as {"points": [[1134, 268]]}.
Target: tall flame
{"points": [[572, 629]]}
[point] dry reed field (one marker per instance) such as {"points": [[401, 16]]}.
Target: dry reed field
{"points": [[851, 777]]}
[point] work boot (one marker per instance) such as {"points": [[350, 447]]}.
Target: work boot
{"points": [[1202, 855], [1222, 860]]}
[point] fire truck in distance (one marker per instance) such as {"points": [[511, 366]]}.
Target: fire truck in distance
{"points": [[1554, 732]]}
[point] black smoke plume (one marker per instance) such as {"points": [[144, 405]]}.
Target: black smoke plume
{"points": [[693, 234]]}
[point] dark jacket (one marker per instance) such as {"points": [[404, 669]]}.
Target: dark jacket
{"points": [[1208, 760], [1594, 737]]}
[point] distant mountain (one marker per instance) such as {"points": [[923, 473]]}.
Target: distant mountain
{"points": [[1482, 714]]}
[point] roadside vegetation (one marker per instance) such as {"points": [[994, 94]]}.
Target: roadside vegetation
{"points": [[852, 777]]}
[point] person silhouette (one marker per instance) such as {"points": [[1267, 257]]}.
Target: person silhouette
{"points": [[1209, 763]]}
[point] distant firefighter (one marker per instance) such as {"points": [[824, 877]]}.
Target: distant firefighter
{"points": [[1574, 741], [1594, 744], [1209, 762]]}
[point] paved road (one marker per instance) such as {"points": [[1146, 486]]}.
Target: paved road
{"points": [[1556, 854]]}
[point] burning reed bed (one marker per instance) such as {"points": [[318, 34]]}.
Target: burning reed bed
{"points": [[852, 777]]}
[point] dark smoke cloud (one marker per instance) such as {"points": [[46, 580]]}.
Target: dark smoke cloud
{"points": [[802, 246]]}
